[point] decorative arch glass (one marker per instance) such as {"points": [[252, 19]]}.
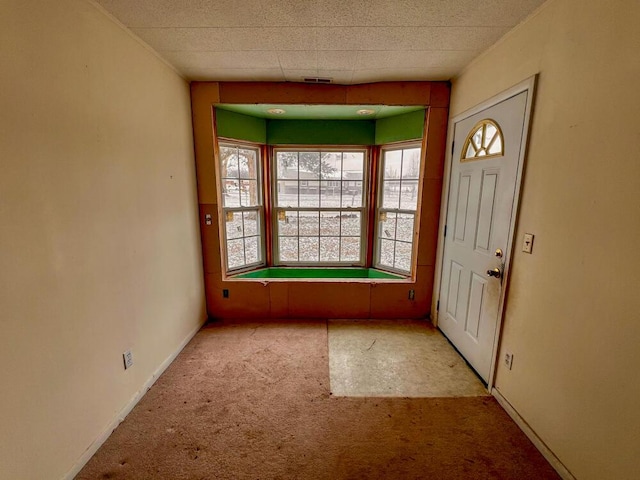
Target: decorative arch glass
{"points": [[485, 140]]}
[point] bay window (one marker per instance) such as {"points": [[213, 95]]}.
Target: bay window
{"points": [[319, 206]]}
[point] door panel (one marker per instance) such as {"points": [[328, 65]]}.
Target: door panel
{"points": [[454, 290], [481, 201], [463, 207], [476, 294], [485, 218]]}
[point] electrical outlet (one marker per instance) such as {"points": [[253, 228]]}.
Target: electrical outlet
{"points": [[508, 360], [128, 359], [527, 244], [225, 293], [412, 294]]}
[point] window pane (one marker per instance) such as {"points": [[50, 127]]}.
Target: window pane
{"points": [[386, 252], [351, 224], [288, 249], [235, 253], [391, 194], [247, 161], [249, 193], [409, 195], [309, 193], [350, 249], [287, 193], [403, 256], [287, 165], [388, 227], [352, 194], [489, 134], [252, 250], [330, 223], [309, 249], [404, 230], [331, 164], [477, 139], [411, 163], [251, 223], [234, 226], [230, 193], [353, 166], [229, 162], [229, 174], [309, 223], [330, 196], [309, 165], [329, 249], [289, 224], [392, 164], [496, 147]]}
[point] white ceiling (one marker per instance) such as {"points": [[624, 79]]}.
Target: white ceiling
{"points": [[349, 41]]}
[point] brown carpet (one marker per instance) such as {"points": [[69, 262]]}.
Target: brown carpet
{"points": [[252, 401]]}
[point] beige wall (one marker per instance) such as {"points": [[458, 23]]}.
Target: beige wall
{"points": [[573, 310], [99, 240]]}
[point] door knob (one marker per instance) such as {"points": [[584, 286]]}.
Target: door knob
{"points": [[494, 272]]}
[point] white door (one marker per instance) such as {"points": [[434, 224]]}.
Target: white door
{"points": [[484, 171]]}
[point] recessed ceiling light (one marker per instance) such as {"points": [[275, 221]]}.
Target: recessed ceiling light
{"points": [[365, 111], [276, 111]]}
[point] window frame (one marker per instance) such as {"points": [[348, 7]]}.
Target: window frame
{"points": [[364, 209], [259, 208], [376, 238]]}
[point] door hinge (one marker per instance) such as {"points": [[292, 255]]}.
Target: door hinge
{"points": [[445, 230], [438, 306], [452, 146]]}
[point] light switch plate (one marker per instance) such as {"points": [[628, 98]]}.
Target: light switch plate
{"points": [[128, 359], [527, 244], [508, 360]]}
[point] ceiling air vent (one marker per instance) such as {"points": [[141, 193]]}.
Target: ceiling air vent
{"points": [[316, 80]]}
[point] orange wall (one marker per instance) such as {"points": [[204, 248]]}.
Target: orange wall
{"points": [[319, 299]]}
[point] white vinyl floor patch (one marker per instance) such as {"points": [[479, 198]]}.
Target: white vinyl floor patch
{"points": [[396, 358]]}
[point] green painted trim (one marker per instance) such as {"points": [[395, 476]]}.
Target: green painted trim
{"points": [[337, 273], [408, 126], [240, 127], [321, 132]]}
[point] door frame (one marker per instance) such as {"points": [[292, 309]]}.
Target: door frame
{"points": [[527, 85]]}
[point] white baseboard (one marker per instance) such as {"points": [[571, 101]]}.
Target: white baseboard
{"points": [[535, 439], [119, 418]]}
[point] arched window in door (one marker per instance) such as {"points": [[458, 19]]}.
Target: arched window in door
{"points": [[484, 140]]}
